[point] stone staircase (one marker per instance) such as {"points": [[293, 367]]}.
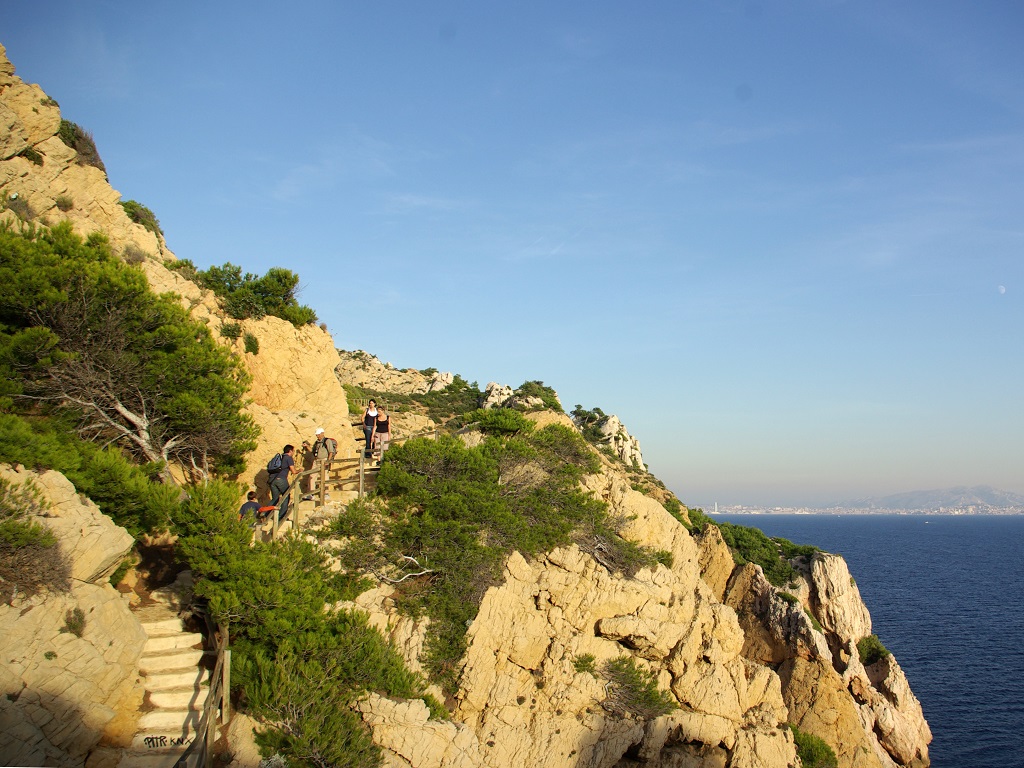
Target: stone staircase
{"points": [[176, 689]]}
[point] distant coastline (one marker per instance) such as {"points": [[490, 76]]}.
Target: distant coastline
{"points": [[952, 511]]}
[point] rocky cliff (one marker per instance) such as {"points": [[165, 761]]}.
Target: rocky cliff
{"points": [[68, 684], [739, 657]]}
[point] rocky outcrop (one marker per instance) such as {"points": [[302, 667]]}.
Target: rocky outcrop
{"points": [[69, 674], [31, 120], [625, 446], [527, 696], [503, 396], [364, 370], [809, 632]]}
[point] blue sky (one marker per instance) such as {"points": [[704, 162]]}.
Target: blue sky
{"points": [[783, 241]]}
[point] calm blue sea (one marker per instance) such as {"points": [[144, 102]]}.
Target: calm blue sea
{"points": [[946, 595]]}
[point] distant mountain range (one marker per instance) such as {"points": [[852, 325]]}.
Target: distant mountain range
{"points": [[959, 497]]}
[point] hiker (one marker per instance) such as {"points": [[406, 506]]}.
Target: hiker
{"points": [[251, 505], [279, 482], [324, 450], [369, 422], [382, 433]]}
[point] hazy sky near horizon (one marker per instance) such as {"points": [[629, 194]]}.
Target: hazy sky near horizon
{"points": [[783, 241]]}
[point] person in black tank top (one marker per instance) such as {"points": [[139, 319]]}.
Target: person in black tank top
{"points": [[369, 423], [382, 433]]}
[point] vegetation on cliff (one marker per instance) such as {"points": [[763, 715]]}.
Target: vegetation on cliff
{"points": [[30, 557], [296, 666], [446, 517], [247, 295], [81, 333]]}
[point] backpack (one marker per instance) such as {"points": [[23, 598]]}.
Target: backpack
{"points": [[325, 448], [275, 464]]}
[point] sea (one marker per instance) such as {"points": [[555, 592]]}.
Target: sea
{"points": [[946, 596]]}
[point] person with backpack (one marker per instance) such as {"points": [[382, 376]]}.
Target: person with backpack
{"points": [[281, 468], [324, 450]]}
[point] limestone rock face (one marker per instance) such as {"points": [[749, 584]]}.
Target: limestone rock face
{"points": [[626, 446], [62, 691], [503, 396], [837, 601], [868, 716], [819, 703], [411, 740], [497, 395], [364, 370], [528, 704], [716, 563], [30, 121], [94, 543]]}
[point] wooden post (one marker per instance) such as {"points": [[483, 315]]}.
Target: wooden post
{"points": [[362, 468], [323, 481], [277, 514], [225, 693]]}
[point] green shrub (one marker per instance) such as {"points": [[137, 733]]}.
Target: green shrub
{"points": [[750, 545], [813, 751], [232, 331], [870, 649], [74, 622], [159, 385], [121, 571], [30, 558], [82, 142], [64, 202], [297, 667], [633, 690], [585, 663], [132, 495], [184, 267], [134, 255], [814, 621], [787, 598], [589, 423], [30, 154], [18, 205], [140, 214], [500, 421], [252, 344], [545, 393], [249, 296]]}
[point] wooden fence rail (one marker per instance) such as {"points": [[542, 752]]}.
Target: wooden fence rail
{"points": [[355, 472], [200, 752]]}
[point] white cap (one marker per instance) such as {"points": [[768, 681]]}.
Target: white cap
{"points": [[319, 430]]}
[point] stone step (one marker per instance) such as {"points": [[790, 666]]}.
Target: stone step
{"points": [[186, 678], [179, 698], [161, 758], [170, 661], [180, 721], [177, 640], [160, 627], [161, 742]]}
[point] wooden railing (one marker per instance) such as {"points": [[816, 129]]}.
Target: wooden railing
{"points": [[359, 469], [200, 752]]}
